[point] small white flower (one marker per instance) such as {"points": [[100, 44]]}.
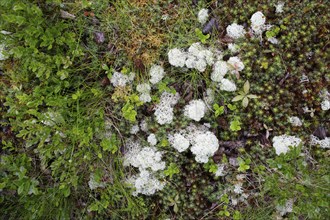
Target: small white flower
{"points": [[220, 69], [164, 115], [235, 64], [209, 97], [152, 139], [2, 56], [288, 207], [143, 88], [324, 143], [144, 125], [145, 97], [279, 7], [191, 61], [233, 47], [165, 17], [227, 85], [282, 143], [325, 96], [258, 20], [207, 55], [325, 105], [93, 184], [203, 15], [221, 170], [195, 49], [131, 76], [134, 129], [5, 32], [164, 110], [273, 40], [295, 121], [195, 110], [234, 201], [201, 65], [120, 79], [204, 146], [157, 73], [177, 57], [235, 31], [144, 158], [145, 183], [238, 188], [179, 142]]}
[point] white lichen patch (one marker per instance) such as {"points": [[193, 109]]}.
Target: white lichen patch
{"points": [[282, 143]]}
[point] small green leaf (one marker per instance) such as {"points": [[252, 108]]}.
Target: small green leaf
{"points": [[218, 110], [164, 143], [171, 170], [264, 65], [128, 112], [175, 208], [246, 87], [201, 36], [252, 96], [237, 98], [224, 199], [93, 207], [231, 107], [125, 70], [105, 67], [245, 102], [213, 168], [215, 106], [66, 191], [20, 189], [235, 125]]}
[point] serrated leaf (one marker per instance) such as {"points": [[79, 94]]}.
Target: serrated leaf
{"points": [[237, 98], [245, 102], [246, 87]]}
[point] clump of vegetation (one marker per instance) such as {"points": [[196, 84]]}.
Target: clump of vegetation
{"points": [[164, 110]]}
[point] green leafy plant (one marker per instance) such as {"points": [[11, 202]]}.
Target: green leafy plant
{"points": [[235, 125], [162, 87], [219, 110], [244, 165], [175, 202], [171, 170], [128, 110], [273, 32], [224, 212], [108, 70], [110, 144], [201, 36], [244, 95], [232, 107], [294, 176], [211, 166]]}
